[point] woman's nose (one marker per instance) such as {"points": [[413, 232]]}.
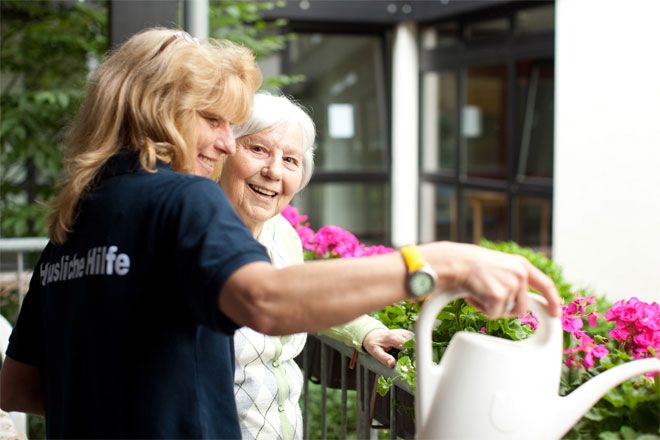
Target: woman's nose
{"points": [[273, 168], [226, 142]]}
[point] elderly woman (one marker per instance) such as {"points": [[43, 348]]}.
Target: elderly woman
{"points": [[273, 161]]}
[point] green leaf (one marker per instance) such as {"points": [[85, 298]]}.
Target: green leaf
{"points": [[384, 385]]}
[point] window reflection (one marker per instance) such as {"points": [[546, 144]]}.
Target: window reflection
{"points": [[485, 216], [361, 208], [488, 129], [498, 27], [438, 213], [533, 222], [536, 84], [344, 85], [484, 122], [441, 35], [439, 121], [536, 20]]}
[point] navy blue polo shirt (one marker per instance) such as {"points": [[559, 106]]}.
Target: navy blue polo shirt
{"points": [[122, 320]]}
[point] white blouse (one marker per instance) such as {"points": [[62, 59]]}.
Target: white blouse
{"points": [[268, 382]]}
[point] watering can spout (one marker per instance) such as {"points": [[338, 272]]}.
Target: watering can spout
{"points": [[573, 406]]}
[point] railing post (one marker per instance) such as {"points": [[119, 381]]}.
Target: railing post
{"points": [[21, 246], [344, 398], [19, 277], [364, 368], [324, 390], [306, 376], [393, 413]]}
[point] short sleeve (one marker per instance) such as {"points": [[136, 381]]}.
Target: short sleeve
{"points": [[211, 244]]}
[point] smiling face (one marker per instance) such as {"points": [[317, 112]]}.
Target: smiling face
{"points": [[214, 140], [262, 177]]}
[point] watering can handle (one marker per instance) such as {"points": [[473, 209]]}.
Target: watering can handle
{"points": [[428, 373]]}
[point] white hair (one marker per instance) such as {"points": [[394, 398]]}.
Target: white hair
{"points": [[269, 111]]}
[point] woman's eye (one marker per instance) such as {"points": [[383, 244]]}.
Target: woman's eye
{"points": [[211, 120], [291, 160], [257, 149]]}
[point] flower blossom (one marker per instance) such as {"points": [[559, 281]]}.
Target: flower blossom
{"points": [[637, 326], [332, 240], [589, 349], [530, 319], [291, 214]]}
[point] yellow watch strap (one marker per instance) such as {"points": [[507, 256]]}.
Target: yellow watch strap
{"points": [[412, 257]]}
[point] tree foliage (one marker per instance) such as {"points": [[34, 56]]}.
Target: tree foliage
{"points": [[240, 21], [45, 50]]}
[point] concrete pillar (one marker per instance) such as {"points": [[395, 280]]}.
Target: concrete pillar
{"points": [[405, 136]]}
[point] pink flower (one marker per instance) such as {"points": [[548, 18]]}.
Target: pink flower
{"points": [[291, 214], [594, 351], [530, 320], [620, 334], [589, 349], [306, 235], [570, 361], [571, 324], [335, 240], [593, 319], [637, 326], [571, 309]]}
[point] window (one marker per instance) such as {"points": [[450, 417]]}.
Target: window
{"points": [[344, 88], [487, 127]]}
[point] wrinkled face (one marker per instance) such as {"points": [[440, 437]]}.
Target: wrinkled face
{"points": [[262, 177], [214, 140]]}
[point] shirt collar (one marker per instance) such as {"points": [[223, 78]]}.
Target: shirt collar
{"points": [[124, 162]]}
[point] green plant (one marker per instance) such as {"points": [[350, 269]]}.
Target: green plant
{"points": [[240, 21], [456, 316], [591, 342], [332, 413], [44, 53]]}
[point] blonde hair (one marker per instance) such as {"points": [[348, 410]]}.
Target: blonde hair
{"points": [[144, 98], [270, 111]]}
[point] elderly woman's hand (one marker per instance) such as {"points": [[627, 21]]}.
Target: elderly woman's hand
{"points": [[378, 342]]}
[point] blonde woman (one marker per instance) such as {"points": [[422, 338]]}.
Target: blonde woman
{"points": [[127, 328]]}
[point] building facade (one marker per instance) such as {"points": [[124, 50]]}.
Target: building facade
{"points": [[531, 121]]}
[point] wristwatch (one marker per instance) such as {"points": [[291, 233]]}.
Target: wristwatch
{"points": [[421, 279]]}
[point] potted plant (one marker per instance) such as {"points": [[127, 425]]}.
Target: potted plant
{"points": [[598, 335]]}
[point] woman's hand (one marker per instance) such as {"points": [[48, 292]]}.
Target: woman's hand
{"points": [[497, 283], [378, 342]]}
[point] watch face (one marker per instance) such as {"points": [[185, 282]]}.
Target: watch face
{"points": [[421, 283]]}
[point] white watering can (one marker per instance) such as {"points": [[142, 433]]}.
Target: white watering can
{"points": [[491, 388]]}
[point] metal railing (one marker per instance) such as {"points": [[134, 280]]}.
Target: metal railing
{"points": [[21, 247], [366, 370]]}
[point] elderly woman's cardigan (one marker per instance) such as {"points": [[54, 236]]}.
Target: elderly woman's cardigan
{"points": [[268, 382]]}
